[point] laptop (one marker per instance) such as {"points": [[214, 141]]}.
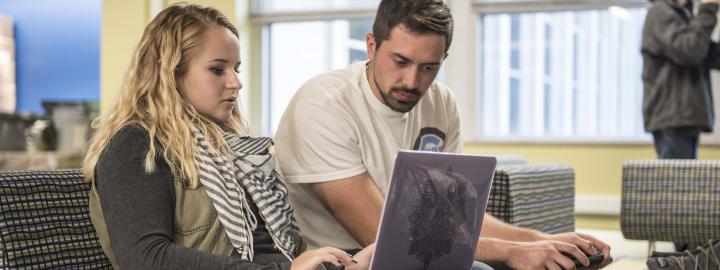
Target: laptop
{"points": [[433, 211]]}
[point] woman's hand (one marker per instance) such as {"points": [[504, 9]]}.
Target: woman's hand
{"points": [[309, 260]]}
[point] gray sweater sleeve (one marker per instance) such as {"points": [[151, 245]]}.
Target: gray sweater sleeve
{"points": [[685, 43], [139, 211]]}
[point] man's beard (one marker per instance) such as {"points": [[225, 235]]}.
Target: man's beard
{"points": [[390, 100], [397, 105]]}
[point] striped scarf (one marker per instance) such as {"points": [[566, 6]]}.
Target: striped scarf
{"points": [[250, 168]]}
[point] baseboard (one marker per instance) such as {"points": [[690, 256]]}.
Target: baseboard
{"points": [[597, 205]]}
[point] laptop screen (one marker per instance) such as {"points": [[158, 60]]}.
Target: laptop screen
{"points": [[433, 211]]}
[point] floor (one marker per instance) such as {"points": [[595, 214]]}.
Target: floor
{"points": [[628, 254]]}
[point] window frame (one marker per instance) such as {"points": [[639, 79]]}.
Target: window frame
{"points": [[259, 27]]}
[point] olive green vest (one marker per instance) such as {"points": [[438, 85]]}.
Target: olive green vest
{"points": [[196, 222]]}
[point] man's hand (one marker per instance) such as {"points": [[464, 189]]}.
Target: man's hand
{"points": [[362, 258], [553, 252], [545, 254], [589, 244], [542, 254]]}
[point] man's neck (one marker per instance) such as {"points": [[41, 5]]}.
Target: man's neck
{"points": [[369, 71]]}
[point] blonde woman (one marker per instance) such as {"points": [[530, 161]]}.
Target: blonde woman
{"points": [[175, 183]]}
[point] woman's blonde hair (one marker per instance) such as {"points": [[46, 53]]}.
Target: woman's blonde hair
{"points": [[149, 96]]}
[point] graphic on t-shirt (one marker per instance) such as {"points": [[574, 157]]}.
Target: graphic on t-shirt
{"points": [[430, 139], [433, 212]]}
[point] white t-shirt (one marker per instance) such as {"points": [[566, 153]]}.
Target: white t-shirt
{"points": [[335, 128]]}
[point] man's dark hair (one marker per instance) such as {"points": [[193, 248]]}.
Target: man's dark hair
{"points": [[419, 16]]}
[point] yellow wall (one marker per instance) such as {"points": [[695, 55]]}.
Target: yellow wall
{"points": [[122, 25]]}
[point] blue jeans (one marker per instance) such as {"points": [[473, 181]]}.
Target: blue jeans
{"points": [[676, 143]]}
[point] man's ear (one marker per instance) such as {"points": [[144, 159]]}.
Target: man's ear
{"points": [[370, 43]]}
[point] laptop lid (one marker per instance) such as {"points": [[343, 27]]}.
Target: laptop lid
{"points": [[433, 211]]}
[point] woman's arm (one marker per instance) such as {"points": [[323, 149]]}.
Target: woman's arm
{"points": [[139, 211]]}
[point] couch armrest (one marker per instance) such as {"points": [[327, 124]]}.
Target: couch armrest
{"points": [[537, 196], [671, 200]]}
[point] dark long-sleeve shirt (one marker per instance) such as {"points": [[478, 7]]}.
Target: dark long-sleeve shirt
{"points": [[139, 211]]}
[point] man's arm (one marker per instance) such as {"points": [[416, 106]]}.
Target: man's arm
{"points": [[493, 227], [528, 255], [355, 202], [522, 248]]}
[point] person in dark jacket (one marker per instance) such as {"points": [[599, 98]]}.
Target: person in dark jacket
{"points": [[678, 54]]}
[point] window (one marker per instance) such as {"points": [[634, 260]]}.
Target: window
{"points": [[560, 74], [295, 57], [302, 39]]}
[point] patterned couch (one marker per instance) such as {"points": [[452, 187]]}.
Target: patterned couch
{"points": [[537, 196], [671, 200], [45, 223]]}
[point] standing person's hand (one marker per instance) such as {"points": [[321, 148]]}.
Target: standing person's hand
{"points": [[309, 260], [710, 1]]}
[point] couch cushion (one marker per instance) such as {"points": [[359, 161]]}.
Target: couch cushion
{"points": [[538, 196], [45, 223], [671, 200]]}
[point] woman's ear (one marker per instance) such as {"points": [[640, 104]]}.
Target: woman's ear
{"points": [[179, 85]]}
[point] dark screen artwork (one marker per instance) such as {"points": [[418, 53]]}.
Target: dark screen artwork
{"points": [[433, 211]]}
